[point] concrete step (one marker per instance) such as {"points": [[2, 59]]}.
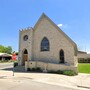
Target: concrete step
{"points": [[19, 69]]}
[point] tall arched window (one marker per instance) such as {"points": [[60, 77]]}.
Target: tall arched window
{"points": [[45, 44], [61, 56]]}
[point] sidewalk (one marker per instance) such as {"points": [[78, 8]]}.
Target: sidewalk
{"points": [[81, 80]]}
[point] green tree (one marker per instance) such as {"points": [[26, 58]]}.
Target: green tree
{"points": [[4, 49], [9, 49], [0, 48], [16, 53]]}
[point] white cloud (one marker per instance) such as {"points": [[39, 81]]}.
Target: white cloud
{"points": [[60, 25], [63, 26]]}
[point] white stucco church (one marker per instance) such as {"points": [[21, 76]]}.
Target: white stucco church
{"points": [[47, 46]]}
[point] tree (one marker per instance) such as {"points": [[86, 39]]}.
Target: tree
{"points": [[4, 49], [9, 49], [16, 53]]}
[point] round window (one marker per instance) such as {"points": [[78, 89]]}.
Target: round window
{"points": [[25, 38]]}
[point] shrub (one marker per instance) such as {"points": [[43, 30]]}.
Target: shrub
{"points": [[69, 72], [33, 69], [56, 72], [51, 71], [15, 64], [38, 69], [59, 72], [28, 69]]}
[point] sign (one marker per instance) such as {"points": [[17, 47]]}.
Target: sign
{"points": [[13, 56]]}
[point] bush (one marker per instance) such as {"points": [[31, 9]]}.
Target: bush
{"points": [[59, 72], [65, 72], [15, 64], [56, 72], [51, 71], [69, 73], [33, 69], [38, 69], [28, 69]]}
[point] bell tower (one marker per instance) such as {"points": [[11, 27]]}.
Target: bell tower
{"points": [[25, 45]]}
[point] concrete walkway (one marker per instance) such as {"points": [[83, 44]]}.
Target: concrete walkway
{"points": [[81, 81]]}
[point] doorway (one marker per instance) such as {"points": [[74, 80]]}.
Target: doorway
{"points": [[25, 56]]}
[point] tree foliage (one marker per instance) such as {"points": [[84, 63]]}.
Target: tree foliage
{"points": [[7, 49], [16, 53]]}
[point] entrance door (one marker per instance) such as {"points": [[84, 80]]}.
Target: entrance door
{"points": [[25, 56]]}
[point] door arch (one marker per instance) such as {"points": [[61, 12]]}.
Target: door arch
{"points": [[61, 55], [25, 56]]}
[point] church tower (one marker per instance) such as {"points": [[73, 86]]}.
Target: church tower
{"points": [[25, 45]]}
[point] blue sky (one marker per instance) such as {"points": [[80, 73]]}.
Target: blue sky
{"points": [[72, 16]]}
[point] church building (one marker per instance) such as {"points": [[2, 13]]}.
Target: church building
{"points": [[46, 46]]}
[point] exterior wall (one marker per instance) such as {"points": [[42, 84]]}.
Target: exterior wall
{"points": [[57, 42], [25, 44], [75, 61], [51, 66]]}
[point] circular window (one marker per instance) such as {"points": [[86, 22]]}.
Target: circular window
{"points": [[25, 38]]}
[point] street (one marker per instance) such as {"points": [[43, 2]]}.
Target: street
{"points": [[28, 84], [34, 81], [6, 66]]}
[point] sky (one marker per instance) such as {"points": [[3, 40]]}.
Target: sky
{"points": [[72, 16]]}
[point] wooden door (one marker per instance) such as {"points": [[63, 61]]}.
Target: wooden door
{"points": [[25, 57]]}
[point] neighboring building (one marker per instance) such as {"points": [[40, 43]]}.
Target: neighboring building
{"points": [[5, 57], [83, 57], [47, 46]]}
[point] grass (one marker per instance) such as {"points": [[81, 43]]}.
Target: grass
{"points": [[84, 68]]}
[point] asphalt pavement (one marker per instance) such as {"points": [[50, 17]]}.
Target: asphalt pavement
{"points": [[40, 81], [6, 66], [28, 84]]}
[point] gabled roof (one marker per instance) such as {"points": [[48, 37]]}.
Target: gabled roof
{"points": [[69, 39]]}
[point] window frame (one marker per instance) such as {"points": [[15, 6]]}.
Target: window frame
{"points": [[45, 44], [25, 37], [62, 56]]}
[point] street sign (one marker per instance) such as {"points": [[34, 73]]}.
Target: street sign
{"points": [[13, 56]]}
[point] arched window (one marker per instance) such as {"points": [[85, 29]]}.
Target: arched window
{"points": [[45, 44], [61, 56]]}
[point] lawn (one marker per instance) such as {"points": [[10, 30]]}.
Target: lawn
{"points": [[84, 67]]}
